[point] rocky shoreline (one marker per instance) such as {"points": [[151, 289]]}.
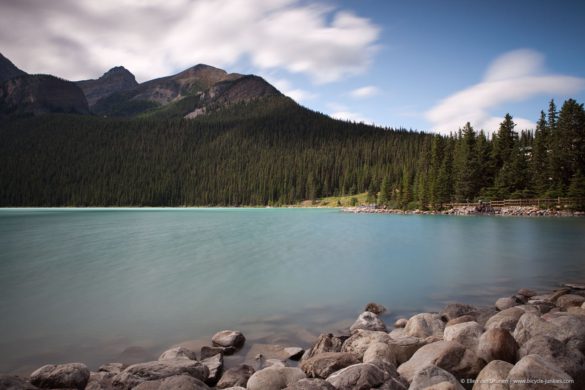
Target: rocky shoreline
{"points": [[529, 340], [511, 211]]}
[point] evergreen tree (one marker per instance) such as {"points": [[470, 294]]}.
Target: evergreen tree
{"points": [[540, 160], [384, 195], [467, 168]]}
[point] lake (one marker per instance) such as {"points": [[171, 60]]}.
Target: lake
{"points": [[101, 285]]}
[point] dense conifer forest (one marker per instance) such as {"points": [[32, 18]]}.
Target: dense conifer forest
{"points": [[272, 151]]}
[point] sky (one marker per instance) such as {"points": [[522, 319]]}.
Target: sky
{"points": [[421, 64]]}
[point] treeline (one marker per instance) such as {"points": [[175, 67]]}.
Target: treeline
{"points": [[275, 152]]}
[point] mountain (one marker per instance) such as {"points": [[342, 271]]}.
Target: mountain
{"points": [[8, 70], [114, 80]]}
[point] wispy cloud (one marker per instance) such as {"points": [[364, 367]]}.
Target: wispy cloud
{"points": [[365, 92], [82, 38], [513, 77], [339, 111], [297, 94]]}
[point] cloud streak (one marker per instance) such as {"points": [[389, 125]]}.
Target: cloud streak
{"points": [[82, 38], [513, 77], [365, 92]]}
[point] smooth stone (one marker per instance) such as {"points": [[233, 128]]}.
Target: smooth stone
{"points": [[466, 334], [424, 325], [311, 384], [533, 367], [559, 293], [455, 310], [380, 354], [215, 366], [178, 353], [567, 359], [100, 380], [325, 343], [324, 364], [493, 376], [531, 325], [69, 375], [207, 352], [142, 372], [569, 300], [112, 368], [507, 302], [368, 321], [359, 342], [236, 376], [361, 376], [228, 338], [267, 352], [179, 382], [528, 293], [484, 314], [449, 355], [14, 382], [505, 319], [569, 329], [275, 378], [403, 348], [375, 308], [294, 353], [400, 323], [497, 344], [460, 320], [431, 376]]}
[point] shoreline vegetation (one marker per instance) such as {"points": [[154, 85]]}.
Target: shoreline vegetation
{"points": [[527, 340]]}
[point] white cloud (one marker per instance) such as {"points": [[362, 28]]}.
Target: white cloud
{"points": [[343, 113], [513, 77], [297, 94], [83, 38], [365, 92]]}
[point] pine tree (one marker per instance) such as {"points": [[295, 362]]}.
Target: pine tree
{"points": [[540, 160], [467, 168], [384, 195]]}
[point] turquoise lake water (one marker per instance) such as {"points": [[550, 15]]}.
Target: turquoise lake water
{"points": [[101, 285]]}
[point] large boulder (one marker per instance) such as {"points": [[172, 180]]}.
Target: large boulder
{"points": [[497, 344], [69, 376], [569, 300], [275, 378], [567, 359], [527, 293], [380, 354], [456, 310], [311, 384], [180, 382], [13, 382], [507, 302], [570, 329], [433, 376], [324, 364], [228, 338], [424, 325], [207, 351], [215, 366], [449, 355], [375, 308], [400, 323], [178, 353], [466, 334], [361, 376], [135, 374], [530, 325], [235, 376], [325, 343], [361, 339], [99, 381], [369, 321], [404, 347], [493, 376], [534, 367], [505, 319]]}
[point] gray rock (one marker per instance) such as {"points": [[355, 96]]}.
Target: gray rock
{"points": [[215, 366], [484, 314], [567, 359], [449, 355], [178, 353], [380, 354], [424, 325], [543, 306], [404, 347], [368, 321], [375, 308], [400, 323], [100, 380], [455, 310], [576, 310], [558, 293], [236, 376], [275, 378], [294, 353], [361, 376], [570, 329], [493, 376], [431, 376], [179, 382], [13, 382], [361, 339], [207, 352], [531, 325], [262, 354], [461, 320], [505, 319], [324, 364], [135, 374], [569, 300], [311, 384], [228, 338], [69, 375], [534, 367], [528, 293], [112, 368], [466, 334], [325, 343], [507, 302], [497, 344]]}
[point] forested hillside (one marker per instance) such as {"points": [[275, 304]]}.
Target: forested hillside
{"points": [[271, 151]]}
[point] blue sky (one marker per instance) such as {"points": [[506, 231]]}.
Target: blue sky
{"points": [[426, 65]]}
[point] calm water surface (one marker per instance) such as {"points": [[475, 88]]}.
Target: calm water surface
{"points": [[100, 285]]}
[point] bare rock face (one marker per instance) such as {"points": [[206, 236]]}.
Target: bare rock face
{"points": [[448, 355], [493, 376], [135, 374], [497, 344], [236, 376], [275, 378], [362, 376], [505, 319], [70, 375], [466, 334], [359, 342], [431, 376], [424, 325], [179, 382], [325, 343], [178, 353], [228, 338], [311, 384], [324, 364], [368, 321], [115, 80], [534, 367]]}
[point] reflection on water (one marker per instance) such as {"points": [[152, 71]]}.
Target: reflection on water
{"points": [[105, 285]]}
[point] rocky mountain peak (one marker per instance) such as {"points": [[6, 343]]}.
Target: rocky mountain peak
{"points": [[8, 70]]}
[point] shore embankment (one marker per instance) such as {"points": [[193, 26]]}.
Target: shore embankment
{"points": [[510, 211], [527, 340]]}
